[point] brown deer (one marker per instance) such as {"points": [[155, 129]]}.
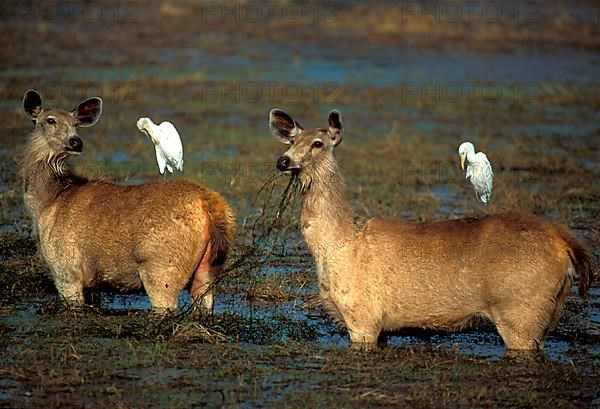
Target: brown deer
{"points": [[389, 274], [92, 233]]}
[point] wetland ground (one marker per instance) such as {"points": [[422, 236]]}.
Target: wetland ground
{"points": [[523, 87]]}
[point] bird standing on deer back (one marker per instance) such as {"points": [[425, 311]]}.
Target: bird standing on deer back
{"points": [[162, 237], [386, 274], [167, 144], [479, 171]]}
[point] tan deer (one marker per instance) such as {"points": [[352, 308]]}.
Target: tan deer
{"points": [[388, 274], [92, 233]]}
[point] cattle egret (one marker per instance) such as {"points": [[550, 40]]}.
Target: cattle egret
{"points": [[167, 143], [479, 171]]}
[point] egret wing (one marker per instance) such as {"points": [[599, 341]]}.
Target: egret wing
{"points": [[489, 178], [171, 145], [483, 177], [160, 159], [469, 173]]}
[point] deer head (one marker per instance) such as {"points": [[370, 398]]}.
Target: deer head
{"points": [[311, 149], [57, 126]]}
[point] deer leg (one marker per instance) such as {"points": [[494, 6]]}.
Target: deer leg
{"points": [[560, 300], [362, 337], [526, 324], [520, 331], [363, 342], [203, 277], [161, 286], [517, 340], [70, 288]]}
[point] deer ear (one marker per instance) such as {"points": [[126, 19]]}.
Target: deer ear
{"points": [[283, 126], [32, 105], [336, 127], [88, 112]]}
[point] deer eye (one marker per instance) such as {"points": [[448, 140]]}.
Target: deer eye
{"points": [[51, 121], [317, 144]]}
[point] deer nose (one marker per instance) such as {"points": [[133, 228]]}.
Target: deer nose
{"points": [[75, 144], [283, 163]]}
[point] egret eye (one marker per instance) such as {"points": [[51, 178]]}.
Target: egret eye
{"points": [[51, 121], [317, 144]]}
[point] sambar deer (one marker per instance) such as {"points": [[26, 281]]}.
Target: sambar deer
{"points": [[388, 274], [92, 233]]}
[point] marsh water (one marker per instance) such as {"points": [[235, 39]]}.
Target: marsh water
{"points": [[483, 342]]}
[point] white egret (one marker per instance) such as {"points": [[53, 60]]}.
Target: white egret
{"points": [[479, 171], [167, 143]]}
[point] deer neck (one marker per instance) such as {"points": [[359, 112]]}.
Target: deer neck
{"points": [[45, 176], [327, 221]]}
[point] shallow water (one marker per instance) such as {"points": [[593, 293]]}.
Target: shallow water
{"points": [[561, 345]]}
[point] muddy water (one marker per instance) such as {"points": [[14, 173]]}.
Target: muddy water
{"points": [[576, 337], [375, 66]]}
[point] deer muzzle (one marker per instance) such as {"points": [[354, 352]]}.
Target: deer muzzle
{"points": [[283, 163], [75, 144]]}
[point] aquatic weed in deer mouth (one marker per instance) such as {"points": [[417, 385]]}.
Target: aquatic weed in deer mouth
{"points": [[263, 233]]}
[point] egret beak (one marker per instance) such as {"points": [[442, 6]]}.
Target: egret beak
{"points": [[462, 161], [149, 135]]}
